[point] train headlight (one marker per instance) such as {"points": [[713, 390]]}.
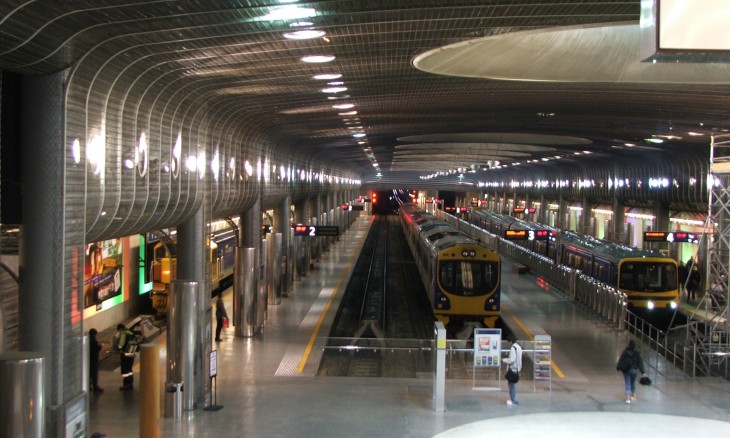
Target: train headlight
{"points": [[673, 304], [650, 305]]}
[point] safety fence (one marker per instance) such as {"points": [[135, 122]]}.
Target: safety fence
{"points": [[414, 358]]}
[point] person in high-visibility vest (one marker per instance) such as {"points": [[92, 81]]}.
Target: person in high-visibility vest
{"points": [[126, 345]]}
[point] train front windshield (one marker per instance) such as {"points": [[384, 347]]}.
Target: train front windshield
{"points": [[648, 276], [466, 278]]}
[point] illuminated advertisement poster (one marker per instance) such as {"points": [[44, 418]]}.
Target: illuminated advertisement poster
{"points": [[102, 271], [487, 344]]}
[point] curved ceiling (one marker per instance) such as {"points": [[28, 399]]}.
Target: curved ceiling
{"points": [[239, 52], [595, 53]]}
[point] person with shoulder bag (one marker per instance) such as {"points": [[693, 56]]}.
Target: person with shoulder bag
{"points": [[630, 363], [514, 366]]}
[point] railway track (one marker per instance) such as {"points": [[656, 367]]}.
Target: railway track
{"points": [[384, 311]]}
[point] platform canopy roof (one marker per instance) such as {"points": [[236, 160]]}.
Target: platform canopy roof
{"points": [[424, 88]]}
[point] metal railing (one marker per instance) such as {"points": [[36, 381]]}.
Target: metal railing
{"points": [[413, 358]]}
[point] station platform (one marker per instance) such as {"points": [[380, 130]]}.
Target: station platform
{"points": [[268, 386]]}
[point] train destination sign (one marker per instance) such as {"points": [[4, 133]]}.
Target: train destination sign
{"points": [[515, 234], [669, 236]]}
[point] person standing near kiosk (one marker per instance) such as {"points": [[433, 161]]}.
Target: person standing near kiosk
{"points": [[514, 366]]}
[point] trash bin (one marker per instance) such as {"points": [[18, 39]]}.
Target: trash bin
{"points": [[173, 400]]}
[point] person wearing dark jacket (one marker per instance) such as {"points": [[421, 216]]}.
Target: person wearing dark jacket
{"points": [[630, 363], [94, 349], [220, 315]]}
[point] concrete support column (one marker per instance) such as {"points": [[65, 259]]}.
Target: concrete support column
{"points": [[618, 221], [315, 220], [542, 213], [192, 265], [563, 222], [52, 240], [251, 226], [586, 218], [662, 216], [283, 226]]}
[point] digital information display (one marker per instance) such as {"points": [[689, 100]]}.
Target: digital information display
{"points": [[528, 234], [313, 231], [515, 234], [671, 236], [530, 210]]}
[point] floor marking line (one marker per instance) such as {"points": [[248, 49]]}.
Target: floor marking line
{"points": [[315, 331], [553, 365]]}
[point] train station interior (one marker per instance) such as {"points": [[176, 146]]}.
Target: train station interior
{"points": [[162, 157]]}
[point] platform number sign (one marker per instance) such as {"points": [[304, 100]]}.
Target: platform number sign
{"points": [[304, 230]]}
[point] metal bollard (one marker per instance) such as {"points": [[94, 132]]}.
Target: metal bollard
{"points": [[173, 400]]}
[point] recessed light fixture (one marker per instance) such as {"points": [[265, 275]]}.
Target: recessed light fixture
{"points": [[288, 13], [304, 34], [327, 76], [334, 89], [318, 58]]}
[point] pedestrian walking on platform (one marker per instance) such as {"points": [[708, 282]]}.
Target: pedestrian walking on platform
{"points": [[514, 365], [695, 278], [94, 349], [220, 316], [630, 363]]}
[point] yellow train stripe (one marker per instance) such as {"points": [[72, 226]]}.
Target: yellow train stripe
{"points": [[315, 332], [553, 365]]}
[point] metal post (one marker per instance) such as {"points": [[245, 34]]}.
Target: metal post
{"points": [[439, 378], [22, 405], [244, 292], [149, 406]]}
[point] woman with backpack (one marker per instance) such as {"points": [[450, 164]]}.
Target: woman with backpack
{"points": [[630, 363]]}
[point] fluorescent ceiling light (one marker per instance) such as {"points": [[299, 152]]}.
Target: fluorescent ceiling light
{"points": [[301, 24], [304, 34], [654, 140], [343, 106], [318, 58], [327, 76], [347, 113], [288, 13], [359, 134], [334, 89]]}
